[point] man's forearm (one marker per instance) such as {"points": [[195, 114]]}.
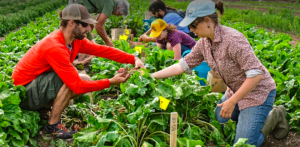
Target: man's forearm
{"points": [[88, 59], [102, 33]]}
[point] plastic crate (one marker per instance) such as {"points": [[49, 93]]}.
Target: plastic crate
{"points": [[202, 69]]}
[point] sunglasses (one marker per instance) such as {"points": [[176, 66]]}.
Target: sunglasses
{"points": [[82, 23]]}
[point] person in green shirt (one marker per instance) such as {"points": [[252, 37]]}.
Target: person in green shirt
{"points": [[104, 8]]}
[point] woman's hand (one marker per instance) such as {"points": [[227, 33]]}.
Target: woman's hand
{"points": [[143, 38], [227, 108]]}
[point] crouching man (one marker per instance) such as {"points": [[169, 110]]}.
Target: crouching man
{"points": [[49, 77]]}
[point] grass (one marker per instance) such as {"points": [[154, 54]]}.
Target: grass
{"points": [[262, 7]]}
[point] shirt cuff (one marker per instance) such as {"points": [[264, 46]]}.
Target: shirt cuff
{"points": [[253, 73], [106, 83], [131, 59], [185, 66]]}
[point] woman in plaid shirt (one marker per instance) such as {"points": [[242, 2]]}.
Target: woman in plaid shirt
{"points": [[168, 37], [251, 90]]}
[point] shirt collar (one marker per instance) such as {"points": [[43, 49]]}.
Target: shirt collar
{"points": [[218, 32]]}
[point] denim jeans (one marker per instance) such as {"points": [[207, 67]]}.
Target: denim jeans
{"points": [[184, 48], [249, 120]]}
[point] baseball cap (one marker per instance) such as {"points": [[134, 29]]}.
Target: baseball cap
{"points": [[157, 27], [197, 8], [77, 12]]}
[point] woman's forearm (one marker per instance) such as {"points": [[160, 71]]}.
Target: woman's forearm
{"points": [[248, 85], [170, 71]]}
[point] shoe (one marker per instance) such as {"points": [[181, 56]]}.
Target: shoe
{"points": [[282, 127], [44, 113], [276, 122], [59, 132]]}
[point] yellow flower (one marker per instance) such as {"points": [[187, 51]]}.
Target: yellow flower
{"points": [[125, 21]]}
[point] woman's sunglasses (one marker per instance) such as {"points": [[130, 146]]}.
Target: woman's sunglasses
{"points": [[82, 23]]}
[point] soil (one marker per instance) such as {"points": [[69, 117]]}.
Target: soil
{"points": [[292, 140]]}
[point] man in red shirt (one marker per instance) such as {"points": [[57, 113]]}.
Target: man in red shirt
{"points": [[47, 72]]}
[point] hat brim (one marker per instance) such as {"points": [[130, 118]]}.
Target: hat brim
{"points": [[186, 21], [155, 34], [89, 21]]}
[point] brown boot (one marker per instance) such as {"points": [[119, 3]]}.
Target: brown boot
{"points": [[277, 122]]}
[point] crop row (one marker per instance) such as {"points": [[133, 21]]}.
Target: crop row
{"points": [[283, 20], [291, 5], [15, 20], [14, 8], [143, 122], [4, 3]]}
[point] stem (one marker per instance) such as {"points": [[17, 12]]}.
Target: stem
{"points": [[151, 139], [144, 121], [187, 105], [119, 126], [122, 129], [161, 113], [138, 131], [157, 132], [200, 122], [125, 137], [144, 133]]}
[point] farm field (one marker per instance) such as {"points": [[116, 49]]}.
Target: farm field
{"points": [[129, 115]]}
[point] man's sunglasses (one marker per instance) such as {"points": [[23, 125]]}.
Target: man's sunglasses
{"points": [[82, 23]]}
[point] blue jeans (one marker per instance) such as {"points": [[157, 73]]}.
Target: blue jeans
{"points": [[184, 48], [249, 120]]}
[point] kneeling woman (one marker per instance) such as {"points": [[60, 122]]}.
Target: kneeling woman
{"points": [[251, 90], [168, 37]]}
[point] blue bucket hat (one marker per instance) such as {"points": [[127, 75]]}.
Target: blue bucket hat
{"points": [[197, 8]]}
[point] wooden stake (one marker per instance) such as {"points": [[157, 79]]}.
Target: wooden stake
{"points": [[131, 37], [143, 56], [173, 129]]}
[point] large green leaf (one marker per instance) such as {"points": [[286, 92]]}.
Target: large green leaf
{"points": [[108, 137], [242, 143]]}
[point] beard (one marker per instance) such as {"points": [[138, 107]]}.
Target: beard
{"points": [[78, 34], [160, 16]]}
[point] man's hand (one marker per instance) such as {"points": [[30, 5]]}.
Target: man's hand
{"points": [[138, 63], [76, 62], [118, 79]]}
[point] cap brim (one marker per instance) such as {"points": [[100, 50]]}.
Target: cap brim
{"points": [[89, 21], [155, 34], [186, 21]]}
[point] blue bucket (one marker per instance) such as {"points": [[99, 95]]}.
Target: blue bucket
{"points": [[202, 69], [147, 23]]}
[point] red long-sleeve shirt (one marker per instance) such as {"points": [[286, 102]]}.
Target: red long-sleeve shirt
{"points": [[51, 53]]}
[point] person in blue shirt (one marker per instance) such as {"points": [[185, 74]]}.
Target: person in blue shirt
{"points": [[170, 15]]}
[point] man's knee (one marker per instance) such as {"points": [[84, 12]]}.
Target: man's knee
{"points": [[85, 77]]}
